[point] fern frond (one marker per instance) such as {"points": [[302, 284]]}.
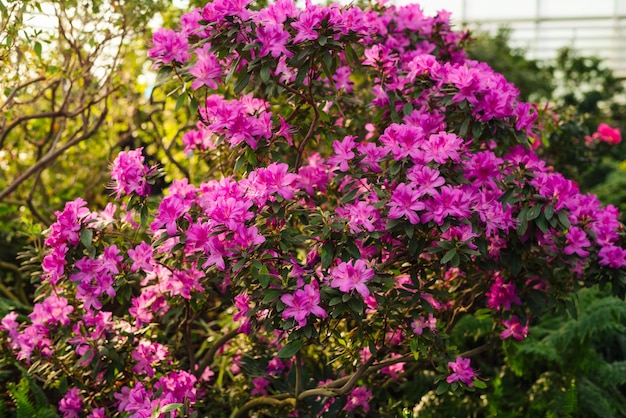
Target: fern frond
{"points": [[592, 401]]}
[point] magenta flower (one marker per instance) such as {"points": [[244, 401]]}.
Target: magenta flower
{"points": [[260, 386], [343, 152], [502, 295], [359, 396], [71, 405], [420, 323], [606, 134], [148, 354], [273, 39], [129, 174], [612, 256], [441, 146], [405, 202], [514, 329], [206, 69], [576, 241], [352, 275], [302, 303], [169, 46], [306, 24], [403, 140], [361, 216], [462, 371], [142, 257]]}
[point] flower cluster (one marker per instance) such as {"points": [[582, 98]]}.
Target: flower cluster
{"points": [[375, 188]]}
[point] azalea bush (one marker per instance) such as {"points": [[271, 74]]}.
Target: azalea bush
{"points": [[368, 191]]}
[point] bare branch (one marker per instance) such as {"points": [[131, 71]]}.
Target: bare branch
{"points": [[51, 156]]}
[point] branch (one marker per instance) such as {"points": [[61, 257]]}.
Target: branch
{"points": [[210, 355], [51, 156], [248, 406], [18, 88]]}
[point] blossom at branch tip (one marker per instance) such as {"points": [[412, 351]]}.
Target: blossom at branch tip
{"points": [[461, 370]]}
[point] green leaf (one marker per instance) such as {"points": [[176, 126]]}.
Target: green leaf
{"points": [[180, 102], [271, 294], [86, 237], [37, 48], [290, 349], [564, 218], [327, 253], [407, 109], [533, 212], [548, 211], [449, 256], [242, 82], [264, 277], [479, 384], [443, 387], [265, 72]]}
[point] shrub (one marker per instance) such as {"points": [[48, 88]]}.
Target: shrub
{"points": [[368, 188]]}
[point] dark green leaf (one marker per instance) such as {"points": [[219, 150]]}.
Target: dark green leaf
{"points": [[242, 82], [86, 237], [449, 256], [180, 102], [290, 349]]}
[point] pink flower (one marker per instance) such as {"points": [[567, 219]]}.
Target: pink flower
{"points": [[359, 396], [129, 173], [206, 70], [148, 354], [403, 140], [360, 215], [576, 241], [142, 257], [514, 329], [349, 276], [420, 323], [260, 385], [169, 46], [502, 294], [273, 39], [301, 304], [343, 152], [441, 146], [462, 371], [405, 202], [612, 256], [71, 405], [305, 25], [606, 134]]}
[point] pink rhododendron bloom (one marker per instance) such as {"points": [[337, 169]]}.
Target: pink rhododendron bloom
{"points": [[343, 152], [273, 39], [605, 134], [502, 295], [405, 202], [359, 397], [352, 275], [169, 46], [148, 354], [576, 241], [306, 26], [301, 304], [128, 173], [142, 257], [207, 70], [514, 329], [260, 386], [71, 405], [461, 370], [419, 324]]}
